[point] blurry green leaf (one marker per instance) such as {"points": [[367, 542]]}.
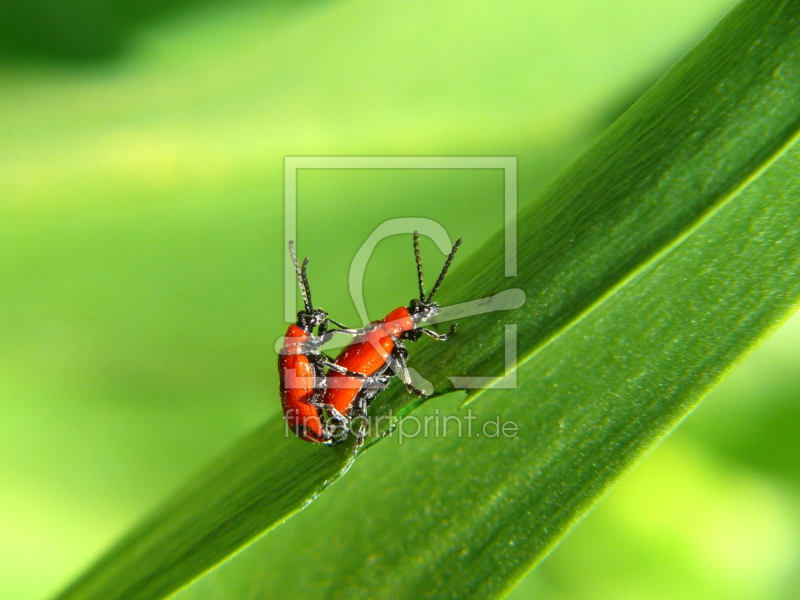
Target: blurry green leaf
{"points": [[76, 30], [650, 266]]}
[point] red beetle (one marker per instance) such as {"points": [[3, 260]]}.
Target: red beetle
{"points": [[380, 347], [301, 367]]}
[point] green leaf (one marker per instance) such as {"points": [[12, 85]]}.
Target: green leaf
{"points": [[650, 266]]}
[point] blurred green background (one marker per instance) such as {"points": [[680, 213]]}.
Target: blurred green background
{"points": [[142, 248]]}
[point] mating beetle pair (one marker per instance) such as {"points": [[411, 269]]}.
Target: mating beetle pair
{"points": [[319, 406]]}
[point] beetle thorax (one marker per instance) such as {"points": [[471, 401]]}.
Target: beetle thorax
{"points": [[422, 311]]}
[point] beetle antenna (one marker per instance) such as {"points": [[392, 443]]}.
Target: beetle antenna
{"points": [[301, 277], [419, 267], [305, 283], [445, 268]]}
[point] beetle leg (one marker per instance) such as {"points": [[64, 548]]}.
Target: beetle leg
{"points": [[336, 425], [400, 368], [343, 329], [334, 367], [438, 336], [361, 414], [325, 335]]}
